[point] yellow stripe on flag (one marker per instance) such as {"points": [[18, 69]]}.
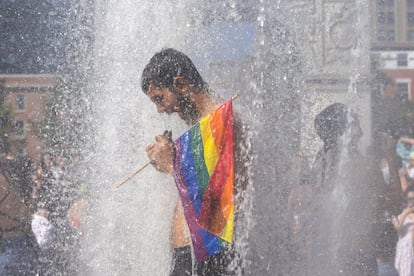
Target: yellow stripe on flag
{"points": [[227, 234], [210, 150]]}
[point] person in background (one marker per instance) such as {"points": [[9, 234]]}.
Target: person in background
{"points": [[386, 239], [392, 193], [404, 224], [50, 223], [19, 253], [385, 169], [45, 199], [407, 173], [404, 148], [345, 192], [42, 227], [300, 210]]}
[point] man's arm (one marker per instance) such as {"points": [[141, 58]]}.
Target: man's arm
{"points": [[403, 179], [399, 221], [388, 147]]}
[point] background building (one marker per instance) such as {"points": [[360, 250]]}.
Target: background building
{"points": [[40, 41], [392, 45], [26, 94]]}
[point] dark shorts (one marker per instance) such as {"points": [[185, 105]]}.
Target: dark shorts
{"points": [[182, 264], [216, 265], [19, 256]]}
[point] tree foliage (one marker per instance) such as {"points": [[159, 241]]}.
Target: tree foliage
{"points": [[5, 128], [5, 124]]}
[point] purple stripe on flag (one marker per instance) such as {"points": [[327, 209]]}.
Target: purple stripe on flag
{"points": [[198, 244]]}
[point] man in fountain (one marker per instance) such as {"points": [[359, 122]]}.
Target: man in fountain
{"points": [[173, 83], [346, 197]]}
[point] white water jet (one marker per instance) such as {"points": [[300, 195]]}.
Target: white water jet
{"points": [[129, 227]]}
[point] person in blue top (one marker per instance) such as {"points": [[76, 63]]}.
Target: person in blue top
{"points": [[404, 148]]}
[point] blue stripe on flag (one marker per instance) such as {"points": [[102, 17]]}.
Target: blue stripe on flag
{"points": [[189, 172], [211, 242]]}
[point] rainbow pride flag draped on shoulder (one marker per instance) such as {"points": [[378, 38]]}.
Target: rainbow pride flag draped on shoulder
{"points": [[204, 174]]}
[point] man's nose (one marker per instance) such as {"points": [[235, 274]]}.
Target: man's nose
{"points": [[160, 108]]}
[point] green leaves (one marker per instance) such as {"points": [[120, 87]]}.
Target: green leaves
{"points": [[5, 127]]}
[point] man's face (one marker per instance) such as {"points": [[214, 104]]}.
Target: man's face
{"points": [[171, 101], [164, 99]]}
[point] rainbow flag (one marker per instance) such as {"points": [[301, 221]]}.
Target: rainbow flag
{"points": [[204, 174]]}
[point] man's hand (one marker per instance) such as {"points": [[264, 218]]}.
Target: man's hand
{"points": [[161, 154]]}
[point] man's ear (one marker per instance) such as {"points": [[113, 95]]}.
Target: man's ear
{"points": [[151, 86], [181, 85]]}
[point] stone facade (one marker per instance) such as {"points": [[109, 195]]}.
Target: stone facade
{"points": [[336, 49]]}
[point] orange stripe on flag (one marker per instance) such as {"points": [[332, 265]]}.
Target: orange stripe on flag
{"points": [[217, 128]]}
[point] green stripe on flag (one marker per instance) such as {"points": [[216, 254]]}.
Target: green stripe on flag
{"points": [[197, 150]]}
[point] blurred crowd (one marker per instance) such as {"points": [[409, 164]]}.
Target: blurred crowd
{"points": [[42, 210], [393, 218]]}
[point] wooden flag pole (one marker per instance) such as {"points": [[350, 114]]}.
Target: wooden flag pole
{"points": [[146, 165], [132, 175]]}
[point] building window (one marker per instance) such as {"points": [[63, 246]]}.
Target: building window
{"points": [[19, 128], [410, 35], [402, 60], [410, 3], [386, 35], [385, 18], [410, 19], [388, 3], [390, 18], [402, 91], [381, 18], [20, 102], [375, 62]]}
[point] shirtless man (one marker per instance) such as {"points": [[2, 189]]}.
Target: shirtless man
{"points": [[172, 82]]}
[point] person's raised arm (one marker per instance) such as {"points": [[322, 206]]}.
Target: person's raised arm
{"points": [[407, 140], [398, 222], [389, 145], [403, 179]]}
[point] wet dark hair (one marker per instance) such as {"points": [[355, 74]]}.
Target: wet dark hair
{"points": [[167, 64], [331, 122]]}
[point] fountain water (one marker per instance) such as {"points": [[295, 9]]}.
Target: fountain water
{"points": [[239, 47], [129, 227]]}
